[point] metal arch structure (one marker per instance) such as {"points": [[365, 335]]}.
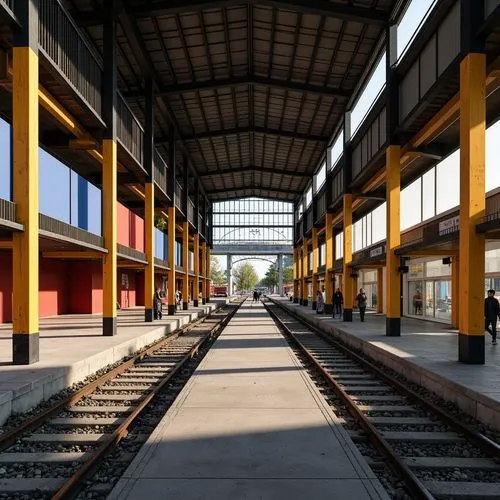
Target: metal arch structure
{"points": [[255, 258]]}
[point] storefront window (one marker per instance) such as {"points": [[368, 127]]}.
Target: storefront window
{"points": [[492, 264], [415, 297], [442, 294], [436, 268]]}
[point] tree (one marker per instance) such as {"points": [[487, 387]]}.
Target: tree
{"points": [[245, 276], [217, 276], [271, 278], [288, 274]]}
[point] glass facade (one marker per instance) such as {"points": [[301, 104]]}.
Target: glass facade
{"points": [[368, 281], [253, 220]]}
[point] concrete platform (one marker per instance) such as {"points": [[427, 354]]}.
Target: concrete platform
{"points": [[426, 353], [73, 347], [249, 424]]}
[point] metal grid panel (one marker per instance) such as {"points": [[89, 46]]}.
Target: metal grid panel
{"points": [[246, 84]]}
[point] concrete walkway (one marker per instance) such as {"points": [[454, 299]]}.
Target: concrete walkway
{"points": [[426, 353], [249, 424], [73, 347]]}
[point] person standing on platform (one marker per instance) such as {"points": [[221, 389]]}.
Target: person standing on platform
{"points": [[320, 303], [361, 302], [338, 301], [491, 313], [158, 313]]}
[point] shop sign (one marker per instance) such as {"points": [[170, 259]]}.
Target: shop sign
{"points": [[376, 252], [449, 225]]}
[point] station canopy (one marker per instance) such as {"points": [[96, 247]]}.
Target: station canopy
{"points": [[253, 90]]}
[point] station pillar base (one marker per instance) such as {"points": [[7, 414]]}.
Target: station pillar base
{"points": [[393, 327], [195, 303], [25, 348], [184, 306], [328, 308], [109, 326], [171, 310], [148, 315], [295, 300], [471, 349], [314, 306], [347, 315]]}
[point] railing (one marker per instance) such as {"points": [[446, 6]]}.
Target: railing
{"points": [[309, 219], [129, 131], [8, 3], [61, 42], [179, 195], [321, 205], [190, 214], [200, 224], [60, 228], [7, 210], [160, 172], [162, 263], [337, 185], [132, 253]]}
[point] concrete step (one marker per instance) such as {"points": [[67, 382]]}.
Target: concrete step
{"points": [[102, 409], [23, 485], [451, 463], [366, 388], [463, 490], [67, 438], [110, 388], [80, 421], [116, 397], [374, 398], [417, 437], [401, 421], [388, 408], [43, 457]]}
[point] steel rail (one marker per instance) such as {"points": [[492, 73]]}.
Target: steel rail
{"points": [[415, 487], [479, 440], [71, 487], [10, 437]]}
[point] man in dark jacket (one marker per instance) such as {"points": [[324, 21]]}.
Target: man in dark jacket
{"points": [[338, 300], [491, 313], [361, 300]]}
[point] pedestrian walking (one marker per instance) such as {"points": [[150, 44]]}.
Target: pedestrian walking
{"points": [[320, 303], [361, 301], [338, 301], [491, 313]]}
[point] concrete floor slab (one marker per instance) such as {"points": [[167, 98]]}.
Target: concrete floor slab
{"points": [[251, 424], [247, 489]]}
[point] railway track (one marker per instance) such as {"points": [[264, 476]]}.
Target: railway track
{"points": [[53, 454], [432, 453]]}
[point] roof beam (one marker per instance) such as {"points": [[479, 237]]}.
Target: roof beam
{"points": [[252, 168], [320, 7], [254, 190], [259, 130], [246, 80]]}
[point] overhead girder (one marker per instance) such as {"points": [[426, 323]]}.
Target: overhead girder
{"points": [[258, 130], [246, 80], [253, 168], [254, 189], [318, 7]]}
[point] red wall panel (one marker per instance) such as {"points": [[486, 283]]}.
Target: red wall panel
{"points": [[5, 286], [130, 228], [53, 295]]}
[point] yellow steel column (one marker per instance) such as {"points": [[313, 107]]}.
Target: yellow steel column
{"points": [[296, 258], [348, 282], [171, 260], [380, 290], [25, 340], [149, 233], [472, 208], [109, 222], [204, 272], [455, 289], [196, 265], [314, 266], [208, 281], [328, 264], [305, 289], [393, 285], [185, 262]]}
